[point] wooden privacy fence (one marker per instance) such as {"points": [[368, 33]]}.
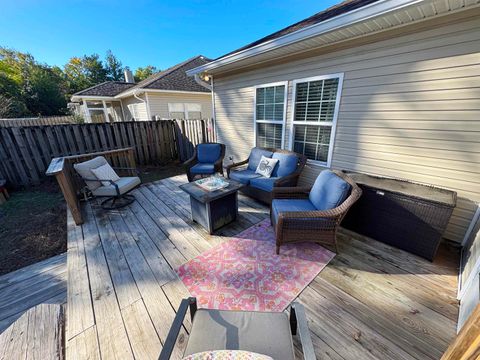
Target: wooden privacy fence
{"points": [[26, 152], [36, 121]]}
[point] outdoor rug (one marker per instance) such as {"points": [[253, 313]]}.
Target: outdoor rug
{"points": [[244, 273]]}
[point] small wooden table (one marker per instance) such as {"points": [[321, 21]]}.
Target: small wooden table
{"points": [[213, 209]]}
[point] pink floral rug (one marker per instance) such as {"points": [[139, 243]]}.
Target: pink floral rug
{"points": [[244, 273]]}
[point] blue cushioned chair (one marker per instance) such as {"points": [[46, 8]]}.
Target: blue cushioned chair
{"points": [[301, 214], [285, 173], [207, 160]]}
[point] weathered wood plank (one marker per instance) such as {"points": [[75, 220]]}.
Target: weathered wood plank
{"points": [[84, 346]]}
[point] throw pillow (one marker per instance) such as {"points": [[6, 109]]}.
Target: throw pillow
{"points": [[105, 172], [227, 355], [265, 166]]}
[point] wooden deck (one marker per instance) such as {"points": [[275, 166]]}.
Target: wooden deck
{"points": [[371, 302], [43, 282]]}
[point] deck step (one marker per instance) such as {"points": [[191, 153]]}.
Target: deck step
{"points": [[37, 334]]}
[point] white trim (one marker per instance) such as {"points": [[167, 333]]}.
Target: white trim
{"points": [[476, 269], [333, 124], [283, 122], [105, 112], [354, 16], [141, 91], [75, 98]]}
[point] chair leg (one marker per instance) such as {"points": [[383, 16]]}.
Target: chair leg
{"points": [[117, 202], [277, 250]]}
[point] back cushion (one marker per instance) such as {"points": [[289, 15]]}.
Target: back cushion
{"points": [[208, 153], [84, 170], [255, 157], [287, 164], [329, 191]]}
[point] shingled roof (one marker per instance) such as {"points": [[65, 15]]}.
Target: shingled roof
{"points": [[175, 78], [331, 12], [107, 88]]}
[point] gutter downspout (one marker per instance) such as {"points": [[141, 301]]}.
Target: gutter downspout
{"points": [[138, 98]]}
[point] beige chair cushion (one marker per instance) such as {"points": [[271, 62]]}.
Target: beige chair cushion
{"points": [[125, 184], [84, 170], [264, 333], [105, 172]]}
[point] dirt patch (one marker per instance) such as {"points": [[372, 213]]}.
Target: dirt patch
{"points": [[154, 173], [33, 226]]}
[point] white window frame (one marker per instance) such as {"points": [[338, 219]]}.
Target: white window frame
{"points": [[283, 122], [332, 123], [184, 107]]}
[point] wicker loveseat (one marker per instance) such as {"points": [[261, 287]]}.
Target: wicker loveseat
{"points": [[285, 173], [301, 214]]}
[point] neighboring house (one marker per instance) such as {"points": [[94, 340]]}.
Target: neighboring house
{"points": [[166, 94], [388, 87]]}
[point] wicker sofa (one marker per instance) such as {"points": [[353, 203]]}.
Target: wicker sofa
{"points": [[286, 172], [301, 214]]}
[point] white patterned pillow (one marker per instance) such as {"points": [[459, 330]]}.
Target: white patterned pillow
{"points": [[105, 172], [227, 355], [265, 166]]}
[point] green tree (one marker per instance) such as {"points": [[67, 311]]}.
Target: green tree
{"points": [[83, 72], [113, 67], [144, 72]]}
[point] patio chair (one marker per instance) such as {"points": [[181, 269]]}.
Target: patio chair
{"points": [[262, 333], [207, 159], [301, 214], [107, 183]]}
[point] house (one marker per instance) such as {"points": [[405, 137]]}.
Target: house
{"points": [[389, 88], [166, 94]]}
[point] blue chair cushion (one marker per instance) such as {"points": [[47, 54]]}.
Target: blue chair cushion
{"points": [[263, 183], [287, 164], [283, 205], [202, 168], [328, 191], [243, 176], [208, 153], [256, 156]]}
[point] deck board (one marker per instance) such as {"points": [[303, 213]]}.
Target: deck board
{"points": [[371, 302]]}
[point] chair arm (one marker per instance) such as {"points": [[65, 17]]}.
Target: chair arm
{"points": [[110, 181], [176, 326], [290, 192], [288, 180], [298, 321], [234, 165], [192, 161]]}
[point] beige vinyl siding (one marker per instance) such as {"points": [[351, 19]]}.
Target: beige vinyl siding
{"points": [[135, 109], [410, 108], [159, 102]]}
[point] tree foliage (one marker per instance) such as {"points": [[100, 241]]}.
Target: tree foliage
{"points": [[144, 72], [30, 88]]}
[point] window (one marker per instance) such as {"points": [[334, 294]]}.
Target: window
{"points": [[185, 111], [316, 102], [270, 114]]}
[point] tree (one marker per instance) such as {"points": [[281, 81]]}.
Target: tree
{"points": [[144, 72], [83, 72], [113, 67]]}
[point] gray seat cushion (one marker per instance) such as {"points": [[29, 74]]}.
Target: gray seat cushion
{"points": [[264, 333], [84, 170], [125, 184]]}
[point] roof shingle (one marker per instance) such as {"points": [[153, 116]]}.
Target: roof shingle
{"points": [[107, 88]]}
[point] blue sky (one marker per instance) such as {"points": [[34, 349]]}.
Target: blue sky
{"points": [[143, 32]]}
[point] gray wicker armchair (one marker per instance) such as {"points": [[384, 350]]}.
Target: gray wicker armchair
{"points": [[313, 225], [207, 159]]}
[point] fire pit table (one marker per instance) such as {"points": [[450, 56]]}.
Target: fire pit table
{"points": [[213, 206]]}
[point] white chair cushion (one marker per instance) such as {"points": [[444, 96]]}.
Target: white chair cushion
{"points": [[125, 184], [265, 166], [105, 172], [84, 170]]}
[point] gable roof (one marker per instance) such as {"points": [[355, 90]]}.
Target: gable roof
{"points": [[107, 88], [331, 12], [175, 77]]}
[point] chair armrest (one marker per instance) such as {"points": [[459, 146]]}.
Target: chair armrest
{"points": [[297, 192], [234, 165], [177, 325], [298, 321], [288, 180], [110, 181], [192, 161]]}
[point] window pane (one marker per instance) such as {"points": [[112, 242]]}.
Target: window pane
{"points": [[260, 112], [313, 111], [177, 115], [194, 115], [315, 91], [269, 135], [302, 92], [279, 94], [313, 141], [300, 111], [328, 109], [278, 112], [269, 112], [260, 95], [330, 87], [269, 95]]}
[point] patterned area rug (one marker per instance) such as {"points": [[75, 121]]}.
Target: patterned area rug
{"points": [[244, 273]]}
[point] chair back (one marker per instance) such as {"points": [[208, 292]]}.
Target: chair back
{"points": [[354, 195], [209, 152], [84, 169]]}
